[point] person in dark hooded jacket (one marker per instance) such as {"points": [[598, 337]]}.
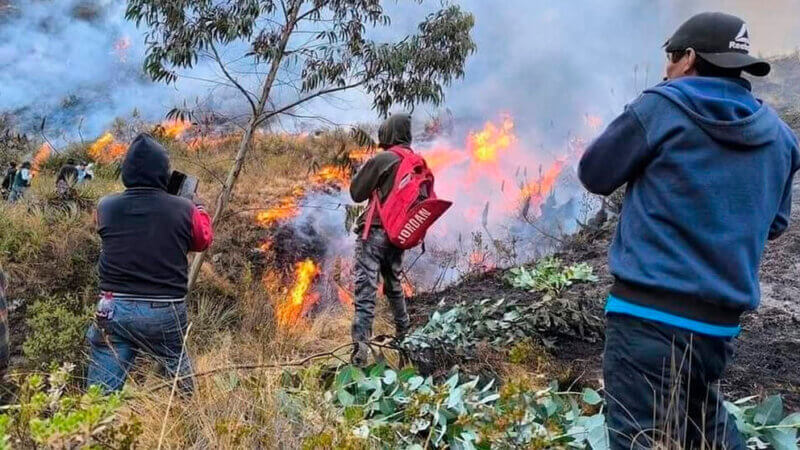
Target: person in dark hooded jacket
{"points": [[376, 255], [146, 234], [67, 177], [709, 172]]}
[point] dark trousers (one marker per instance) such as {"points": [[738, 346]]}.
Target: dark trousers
{"points": [[661, 387], [377, 256]]}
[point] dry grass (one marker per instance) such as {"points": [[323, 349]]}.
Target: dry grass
{"points": [[232, 313], [247, 408]]}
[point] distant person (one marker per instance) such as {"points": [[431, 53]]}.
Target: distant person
{"points": [[709, 172], [88, 172], [67, 177], [81, 167], [377, 256], [8, 179], [146, 235], [22, 181]]}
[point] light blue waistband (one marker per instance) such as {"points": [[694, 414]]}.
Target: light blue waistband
{"points": [[619, 306]]}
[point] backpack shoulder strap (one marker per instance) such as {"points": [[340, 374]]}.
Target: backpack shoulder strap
{"points": [[374, 203]]}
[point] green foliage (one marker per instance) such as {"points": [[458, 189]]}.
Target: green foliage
{"points": [[764, 424], [502, 323], [57, 331], [334, 54], [46, 414], [391, 409], [550, 277]]}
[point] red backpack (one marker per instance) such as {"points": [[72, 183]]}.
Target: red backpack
{"points": [[411, 206]]}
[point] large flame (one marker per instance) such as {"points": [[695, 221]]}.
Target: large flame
{"points": [[175, 128], [300, 300], [40, 157], [485, 145], [106, 149], [538, 190]]}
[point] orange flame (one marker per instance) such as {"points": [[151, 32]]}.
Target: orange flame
{"points": [[41, 157], [286, 209], [175, 128], [299, 300], [443, 157], [361, 154], [408, 289], [331, 174], [106, 149], [537, 190], [594, 122], [208, 142], [266, 246], [486, 144], [345, 298]]}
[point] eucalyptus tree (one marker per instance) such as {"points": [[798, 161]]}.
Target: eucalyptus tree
{"points": [[296, 51]]}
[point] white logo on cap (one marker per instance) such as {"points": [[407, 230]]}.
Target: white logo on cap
{"points": [[742, 40]]}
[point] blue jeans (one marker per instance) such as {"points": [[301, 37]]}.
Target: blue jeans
{"points": [[139, 328]]}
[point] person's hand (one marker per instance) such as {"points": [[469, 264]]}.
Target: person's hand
{"points": [[197, 200]]}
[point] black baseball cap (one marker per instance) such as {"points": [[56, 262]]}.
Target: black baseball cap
{"points": [[721, 39]]}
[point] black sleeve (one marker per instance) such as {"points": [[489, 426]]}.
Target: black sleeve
{"points": [[369, 177]]}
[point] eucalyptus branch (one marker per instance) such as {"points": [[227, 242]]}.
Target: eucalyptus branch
{"points": [[282, 110], [232, 79]]}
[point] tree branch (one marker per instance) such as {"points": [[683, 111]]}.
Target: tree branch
{"points": [[282, 110], [232, 79]]}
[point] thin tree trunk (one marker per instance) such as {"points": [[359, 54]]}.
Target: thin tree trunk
{"points": [[247, 139]]}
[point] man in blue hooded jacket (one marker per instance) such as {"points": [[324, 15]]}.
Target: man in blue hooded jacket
{"points": [[709, 172]]}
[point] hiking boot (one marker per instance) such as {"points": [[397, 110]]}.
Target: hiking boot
{"points": [[360, 356]]}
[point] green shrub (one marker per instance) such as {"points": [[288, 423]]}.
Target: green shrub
{"points": [[57, 330], [384, 408], [550, 276], [45, 414]]}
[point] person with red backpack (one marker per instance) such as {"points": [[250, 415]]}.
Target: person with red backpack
{"points": [[402, 206]]}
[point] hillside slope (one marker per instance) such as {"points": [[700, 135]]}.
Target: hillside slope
{"points": [[767, 354]]}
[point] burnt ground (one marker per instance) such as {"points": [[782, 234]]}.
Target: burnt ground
{"points": [[767, 356]]}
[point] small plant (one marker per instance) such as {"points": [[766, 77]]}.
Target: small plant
{"points": [[764, 424], [45, 414], [550, 277], [57, 332], [390, 409]]}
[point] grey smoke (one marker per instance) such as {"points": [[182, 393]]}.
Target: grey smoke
{"points": [[548, 63]]}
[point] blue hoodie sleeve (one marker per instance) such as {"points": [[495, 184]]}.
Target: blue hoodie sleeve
{"points": [[781, 221], [616, 155]]}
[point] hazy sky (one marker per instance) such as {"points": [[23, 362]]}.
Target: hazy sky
{"points": [[547, 62]]}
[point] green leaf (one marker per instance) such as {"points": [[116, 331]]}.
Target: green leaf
{"points": [[389, 377], [591, 397], [792, 420], [415, 382], [770, 411], [598, 433], [782, 439], [345, 398]]}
